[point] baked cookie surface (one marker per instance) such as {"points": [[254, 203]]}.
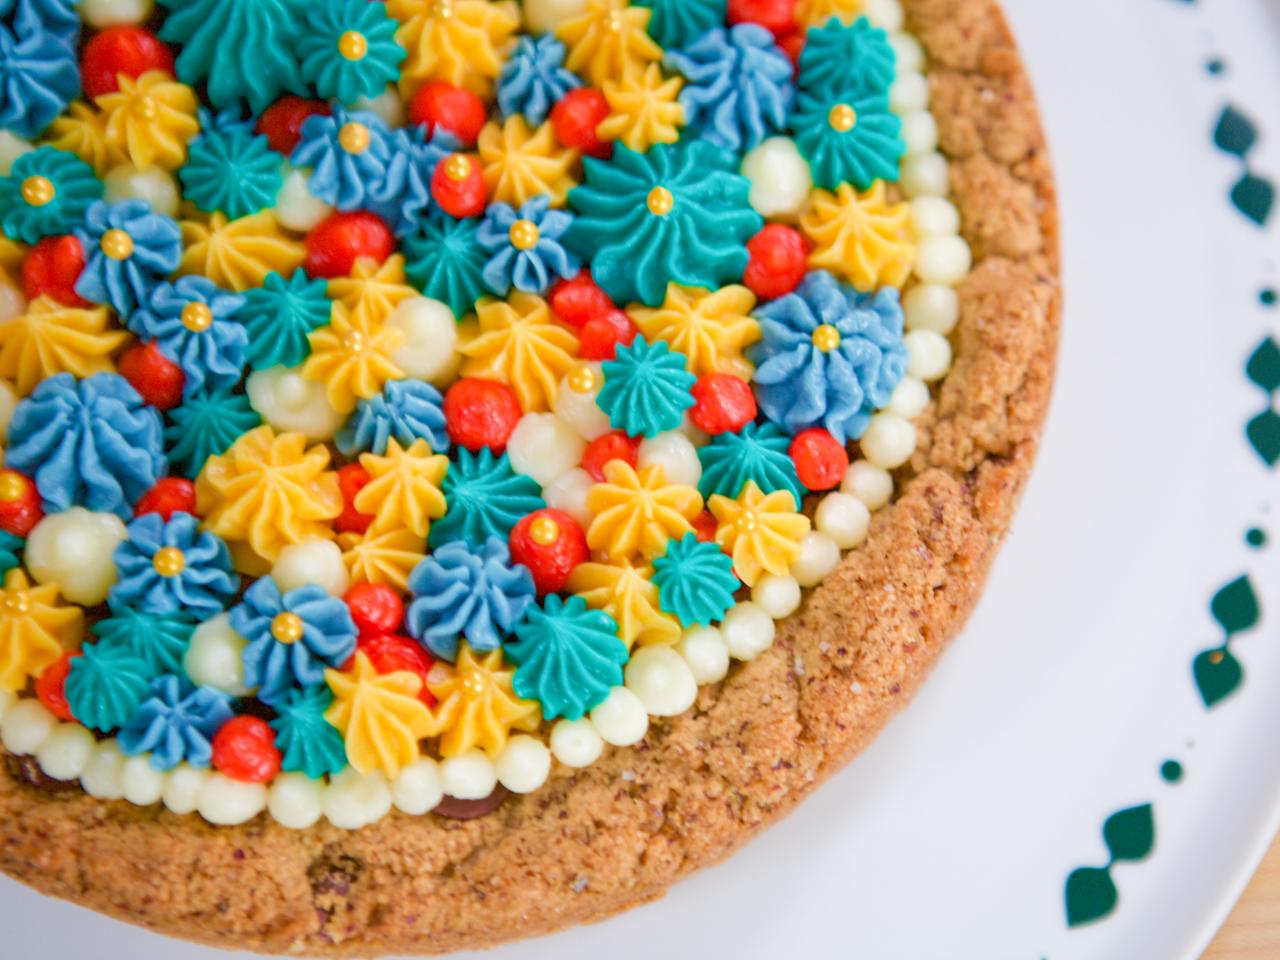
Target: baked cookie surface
{"points": [[595, 841]]}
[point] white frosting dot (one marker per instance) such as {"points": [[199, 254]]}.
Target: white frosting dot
{"points": [[297, 208], [430, 348], [780, 179], [66, 752], [12, 147], [777, 596], [919, 132], [296, 801], [576, 743], [889, 441], [819, 555], [468, 776], [353, 800], [103, 774], [141, 783], [182, 789], [908, 53], [945, 260], [925, 174], [704, 650], [7, 699], [76, 550], [8, 403], [910, 91], [569, 493], [292, 404], [909, 398], [155, 185], [885, 14], [579, 409], [226, 803], [621, 720], [107, 13], [677, 456], [662, 680], [748, 631], [26, 727], [541, 16], [316, 562], [386, 106], [12, 303], [215, 657], [418, 789], [931, 306], [929, 355], [871, 484], [544, 447], [934, 217], [844, 518], [524, 764]]}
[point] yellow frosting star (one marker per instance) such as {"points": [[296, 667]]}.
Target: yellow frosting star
{"points": [[610, 39], [862, 238], [83, 131], [815, 13], [238, 254], [645, 109], [518, 342], [269, 491], [403, 491], [628, 594], [373, 290], [761, 532], [637, 513], [386, 559], [352, 358], [380, 716], [53, 338], [458, 41], [151, 119], [477, 707], [710, 329], [520, 164], [35, 629]]}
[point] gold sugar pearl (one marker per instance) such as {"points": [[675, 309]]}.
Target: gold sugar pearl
{"points": [[37, 191], [458, 167], [12, 487], [197, 317], [442, 9], [147, 108], [353, 340], [18, 602], [617, 22], [544, 531], [582, 380], [353, 45], [826, 338], [287, 627], [525, 234], [117, 245], [661, 201], [169, 562], [473, 683], [842, 118], [354, 137], [748, 522]]}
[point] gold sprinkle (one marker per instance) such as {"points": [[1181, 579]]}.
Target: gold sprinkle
{"points": [[582, 380], [12, 487], [38, 191], [287, 627], [169, 562], [842, 118], [353, 45], [544, 531], [117, 245], [354, 137], [826, 338], [525, 234], [661, 201], [197, 317], [147, 108], [458, 167]]}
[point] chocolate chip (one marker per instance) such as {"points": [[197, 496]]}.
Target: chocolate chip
{"points": [[26, 769], [455, 809]]}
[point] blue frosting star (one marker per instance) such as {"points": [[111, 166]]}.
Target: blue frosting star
{"points": [[212, 354], [408, 410], [534, 78], [90, 443], [404, 191], [800, 385], [531, 269], [39, 76], [202, 583], [176, 723], [462, 591], [328, 637], [342, 179], [126, 283], [57, 17], [737, 85]]}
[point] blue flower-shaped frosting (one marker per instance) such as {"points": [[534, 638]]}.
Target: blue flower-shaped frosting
{"points": [[759, 453], [849, 137], [90, 443], [39, 76], [462, 590], [168, 567], [524, 247], [308, 742], [534, 78], [193, 322], [141, 249], [677, 23], [343, 178], [231, 169], [278, 317], [292, 637], [206, 425], [72, 188], [107, 684], [647, 388], [800, 384], [404, 191], [408, 410], [57, 17], [349, 49], [486, 499], [839, 56], [737, 85], [445, 261], [177, 722], [160, 641]]}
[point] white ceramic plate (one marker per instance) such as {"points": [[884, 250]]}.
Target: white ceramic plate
{"points": [[954, 836]]}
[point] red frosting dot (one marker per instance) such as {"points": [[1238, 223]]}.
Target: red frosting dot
{"points": [[343, 238], [244, 749], [601, 337], [169, 496], [779, 261], [282, 121], [20, 508], [451, 108], [351, 480], [820, 459], [121, 49], [551, 544], [458, 186], [579, 300], [390, 653], [375, 608], [704, 526], [776, 16], [723, 403], [576, 118], [51, 687], [481, 413], [52, 268], [157, 379], [614, 445]]}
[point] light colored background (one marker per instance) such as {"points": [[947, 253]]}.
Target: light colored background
{"points": [[952, 836]]}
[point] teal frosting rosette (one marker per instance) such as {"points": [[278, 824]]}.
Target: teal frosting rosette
{"points": [[307, 742], [848, 136], [349, 49], [758, 453], [9, 547], [106, 685], [232, 170], [445, 261], [279, 315], [695, 581], [46, 194], [207, 424], [647, 388], [839, 57], [161, 641], [677, 23], [485, 498]]}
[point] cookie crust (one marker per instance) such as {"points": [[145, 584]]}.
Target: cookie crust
{"points": [[590, 844]]}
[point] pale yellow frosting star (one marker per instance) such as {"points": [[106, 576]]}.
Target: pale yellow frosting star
{"points": [[82, 130], [861, 238], [645, 109], [35, 629], [518, 342], [711, 329], [457, 41], [386, 559], [379, 715], [151, 119], [238, 254], [352, 358], [477, 706], [268, 492], [637, 513], [761, 532], [628, 594], [52, 338], [815, 13], [403, 492], [520, 164], [373, 290], [610, 39]]}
